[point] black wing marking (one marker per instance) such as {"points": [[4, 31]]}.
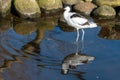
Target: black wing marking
{"points": [[87, 23], [76, 15]]}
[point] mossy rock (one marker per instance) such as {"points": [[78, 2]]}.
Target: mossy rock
{"points": [[70, 2], [105, 12], [113, 3], [88, 0], [27, 9], [85, 8], [50, 4], [5, 7]]}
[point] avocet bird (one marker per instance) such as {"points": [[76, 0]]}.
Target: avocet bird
{"points": [[77, 21]]}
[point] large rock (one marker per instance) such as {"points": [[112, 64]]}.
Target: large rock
{"points": [[119, 14], [5, 6], [27, 8], [50, 4], [88, 0], [105, 12], [113, 3], [70, 2], [85, 7]]}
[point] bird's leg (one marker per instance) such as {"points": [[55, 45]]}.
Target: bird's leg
{"points": [[77, 48], [83, 33], [82, 46], [77, 42], [77, 36]]}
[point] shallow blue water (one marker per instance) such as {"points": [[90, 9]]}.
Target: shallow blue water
{"points": [[54, 46]]}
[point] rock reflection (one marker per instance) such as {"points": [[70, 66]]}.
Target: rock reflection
{"points": [[4, 25], [44, 24], [17, 65], [112, 33], [25, 27], [109, 29], [47, 23], [109, 33], [80, 75], [34, 46]]}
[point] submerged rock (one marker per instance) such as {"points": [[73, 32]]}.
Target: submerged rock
{"points": [[50, 5], [27, 9], [113, 3], [85, 7], [5, 6], [105, 12]]}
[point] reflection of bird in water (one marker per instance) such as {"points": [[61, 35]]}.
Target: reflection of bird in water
{"points": [[77, 21], [72, 61]]}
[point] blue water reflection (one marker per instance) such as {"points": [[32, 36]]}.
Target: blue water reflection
{"points": [[54, 47]]}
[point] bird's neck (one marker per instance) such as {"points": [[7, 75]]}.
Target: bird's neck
{"points": [[66, 14], [68, 10]]}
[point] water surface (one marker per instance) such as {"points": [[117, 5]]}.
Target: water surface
{"points": [[35, 51]]}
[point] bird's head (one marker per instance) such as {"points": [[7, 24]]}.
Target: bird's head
{"points": [[67, 8]]}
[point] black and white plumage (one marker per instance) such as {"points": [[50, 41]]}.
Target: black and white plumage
{"points": [[77, 21], [72, 61]]}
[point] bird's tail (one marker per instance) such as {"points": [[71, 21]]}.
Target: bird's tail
{"points": [[92, 25]]}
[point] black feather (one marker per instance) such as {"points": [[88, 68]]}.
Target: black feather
{"points": [[76, 15]]}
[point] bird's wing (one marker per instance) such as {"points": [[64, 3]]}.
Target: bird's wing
{"points": [[78, 19]]}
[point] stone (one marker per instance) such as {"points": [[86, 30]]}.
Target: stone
{"points": [[85, 7], [113, 3], [88, 0], [50, 4], [70, 2], [119, 14], [105, 12], [5, 6], [27, 9]]}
